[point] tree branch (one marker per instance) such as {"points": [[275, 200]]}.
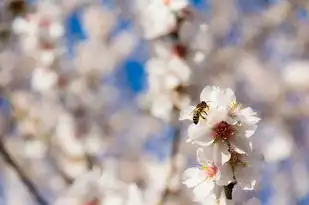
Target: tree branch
{"points": [[25, 180], [173, 164]]}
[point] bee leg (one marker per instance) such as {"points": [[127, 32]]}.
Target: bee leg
{"points": [[203, 115]]}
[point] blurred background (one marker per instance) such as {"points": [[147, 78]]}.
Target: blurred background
{"points": [[81, 87]]}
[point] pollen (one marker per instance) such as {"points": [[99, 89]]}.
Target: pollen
{"points": [[234, 107], [223, 131]]}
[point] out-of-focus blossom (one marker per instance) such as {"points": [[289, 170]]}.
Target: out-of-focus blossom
{"points": [[296, 74], [224, 129], [102, 187], [159, 17]]}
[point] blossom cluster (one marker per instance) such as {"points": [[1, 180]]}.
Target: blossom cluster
{"points": [[178, 42], [221, 129]]}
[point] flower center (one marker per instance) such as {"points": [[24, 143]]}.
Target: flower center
{"points": [[210, 170], [223, 131]]}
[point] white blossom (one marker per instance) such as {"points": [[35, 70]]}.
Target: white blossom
{"points": [[206, 180], [226, 124], [158, 17]]}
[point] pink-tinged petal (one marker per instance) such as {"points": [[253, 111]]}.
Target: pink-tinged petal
{"points": [[241, 144], [226, 175], [221, 153], [246, 177], [203, 190], [187, 113], [192, 177]]}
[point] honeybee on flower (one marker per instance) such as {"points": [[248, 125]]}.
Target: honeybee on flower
{"points": [[227, 154], [227, 124]]}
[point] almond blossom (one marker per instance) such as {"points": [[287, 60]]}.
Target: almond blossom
{"points": [[223, 131], [225, 125]]}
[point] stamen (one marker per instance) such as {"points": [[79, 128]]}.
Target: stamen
{"points": [[223, 131], [210, 170]]}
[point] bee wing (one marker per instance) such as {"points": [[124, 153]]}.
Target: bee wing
{"points": [[187, 113]]}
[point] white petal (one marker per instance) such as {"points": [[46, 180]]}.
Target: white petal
{"points": [[238, 194], [242, 144], [203, 190], [248, 116], [214, 116], [221, 153], [225, 97], [186, 114], [218, 191], [177, 5], [249, 131], [200, 134], [192, 177], [204, 155], [209, 93], [135, 196], [226, 175], [246, 177]]}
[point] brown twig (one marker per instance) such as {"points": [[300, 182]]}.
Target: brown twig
{"points": [[26, 181]]}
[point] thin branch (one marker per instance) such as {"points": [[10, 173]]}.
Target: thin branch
{"points": [[173, 165], [23, 177]]}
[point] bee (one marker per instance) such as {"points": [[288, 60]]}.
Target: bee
{"points": [[200, 111]]}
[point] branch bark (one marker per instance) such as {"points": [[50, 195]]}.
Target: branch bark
{"points": [[23, 177]]}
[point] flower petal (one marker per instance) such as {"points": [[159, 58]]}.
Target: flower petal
{"points": [[241, 144], [226, 175], [246, 177], [177, 5], [203, 190], [221, 153], [134, 195], [192, 177], [225, 97], [248, 116], [204, 155], [199, 134], [187, 113], [210, 93], [249, 131]]}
